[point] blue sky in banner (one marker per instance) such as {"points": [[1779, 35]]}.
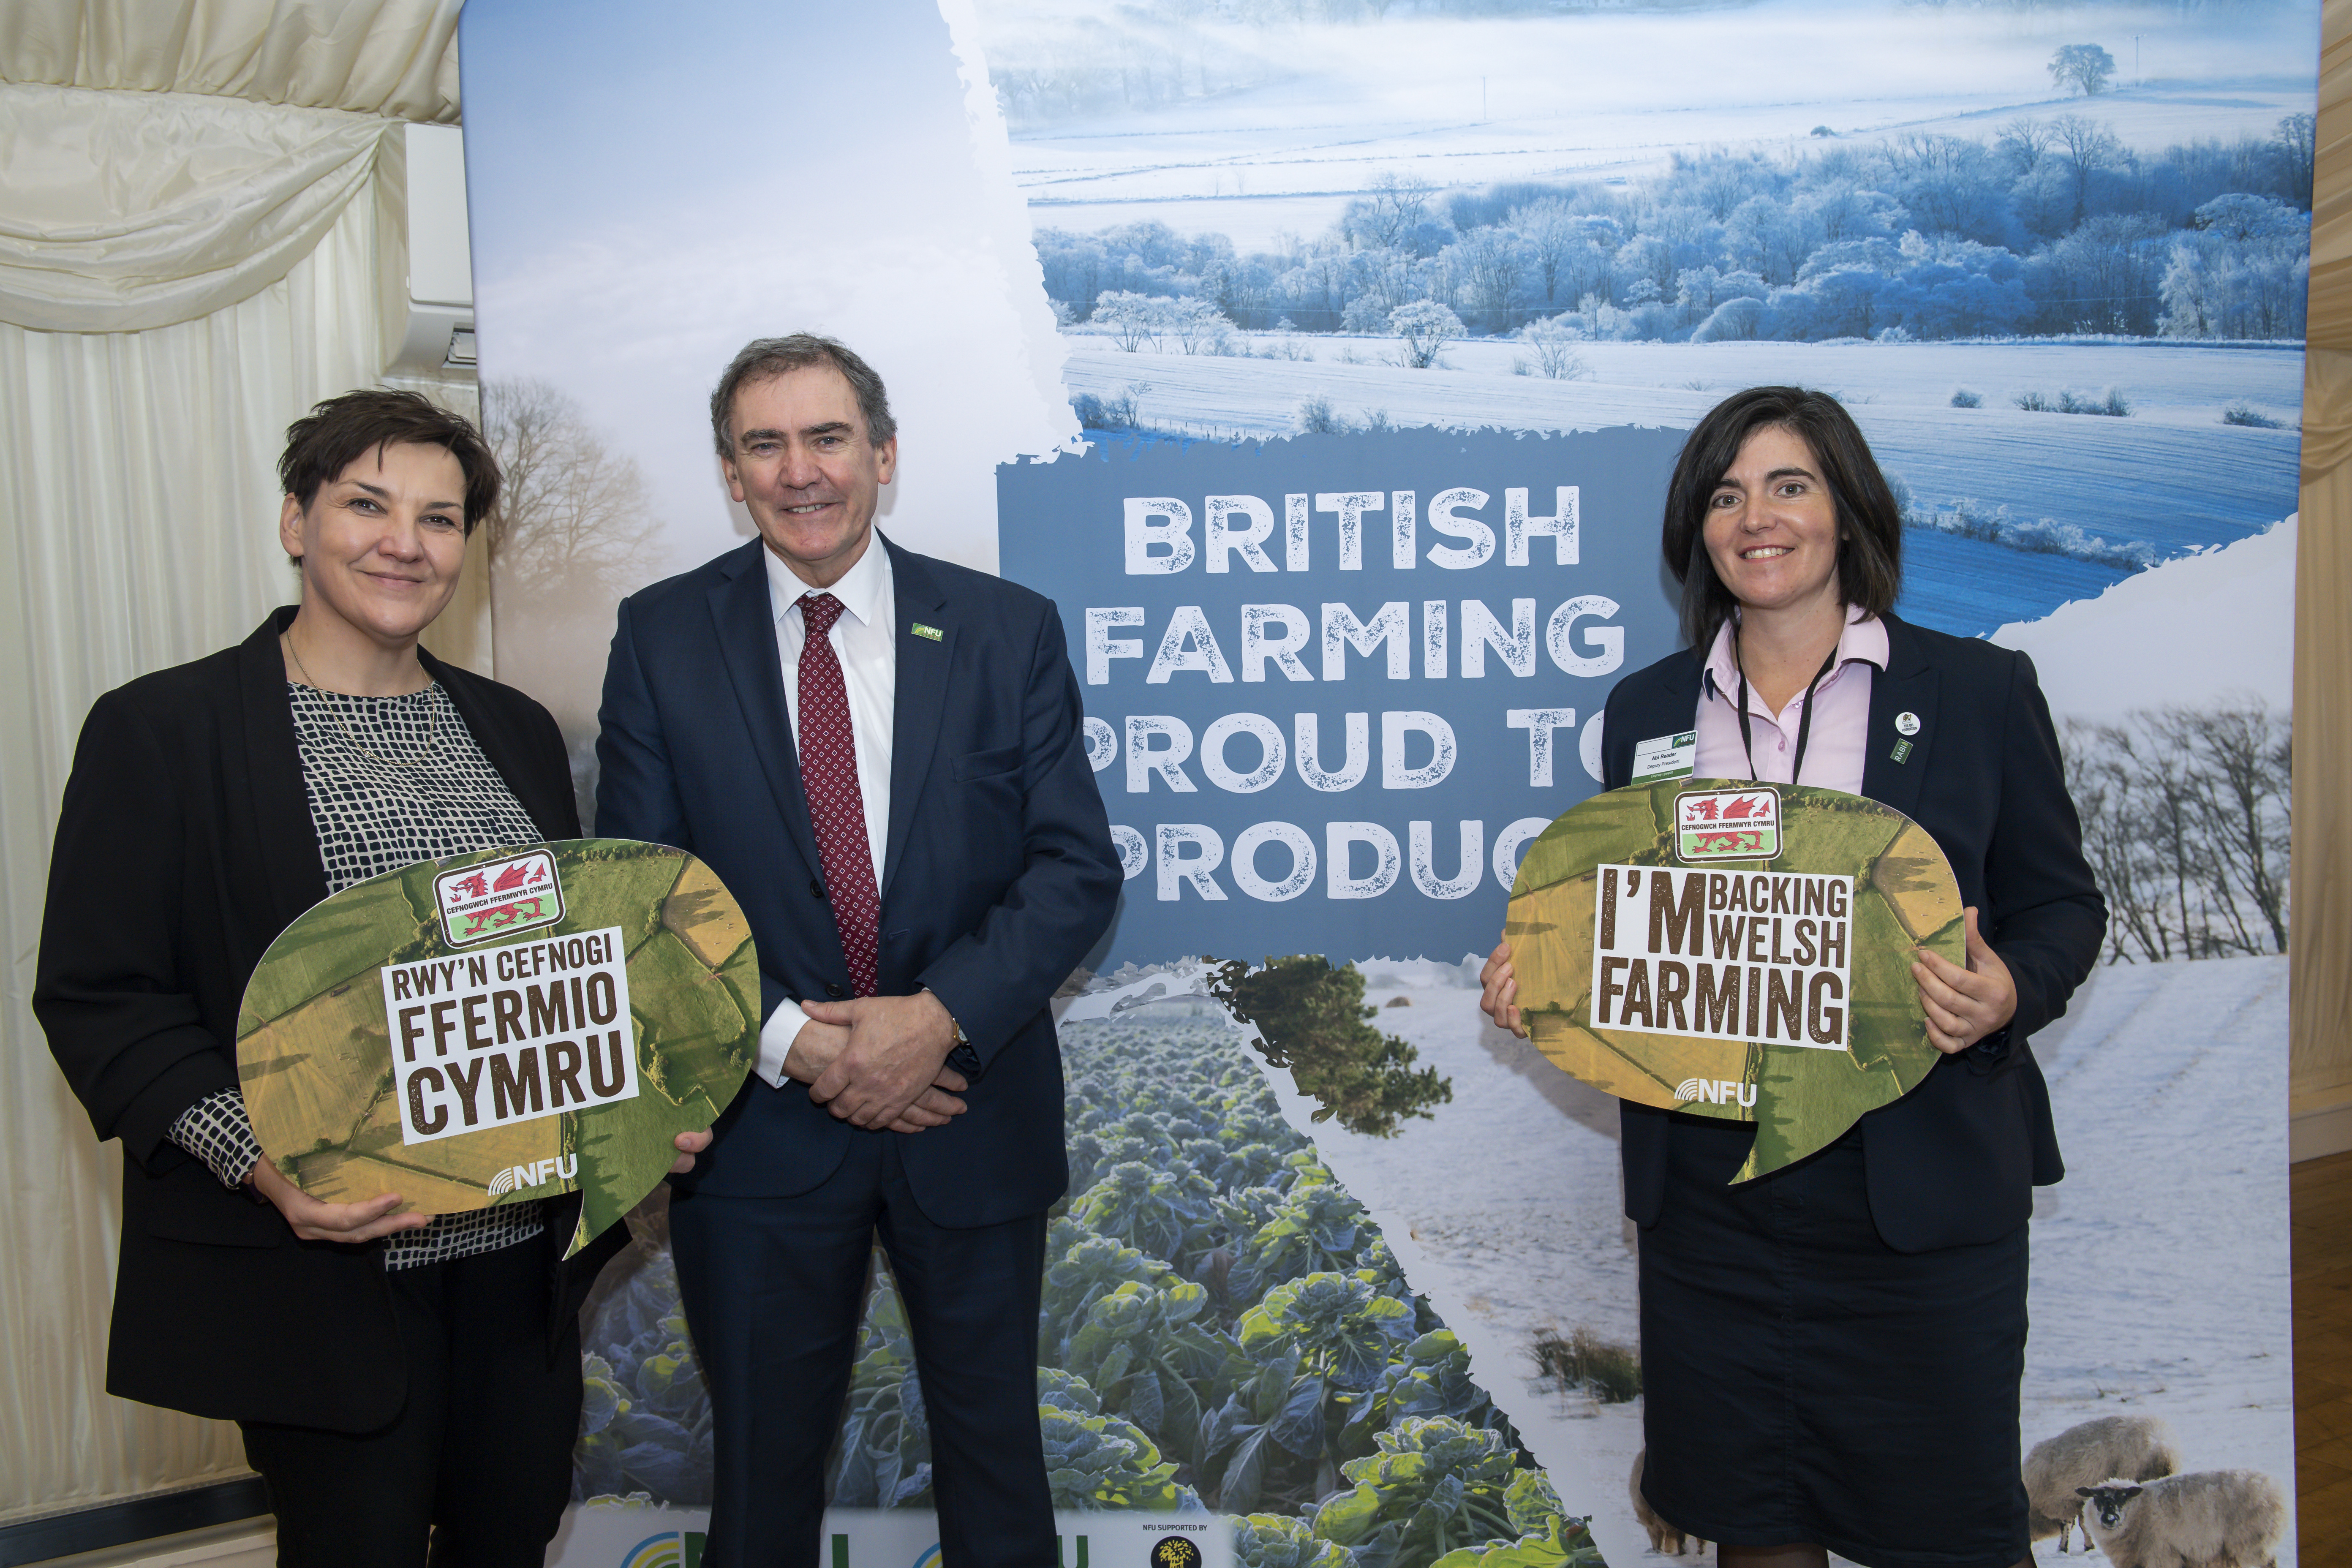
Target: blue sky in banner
{"points": [[1333, 684], [651, 187]]}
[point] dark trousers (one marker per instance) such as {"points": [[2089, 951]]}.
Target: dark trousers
{"points": [[774, 1288], [480, 1458]]}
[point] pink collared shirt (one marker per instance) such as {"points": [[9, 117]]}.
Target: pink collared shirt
{"points": [[1839, 735]]}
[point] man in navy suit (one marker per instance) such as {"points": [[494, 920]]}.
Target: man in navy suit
{"points": [[881, 753]]}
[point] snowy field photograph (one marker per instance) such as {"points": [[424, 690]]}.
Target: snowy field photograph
{"points": [[2052, 257], [2011, 512]]}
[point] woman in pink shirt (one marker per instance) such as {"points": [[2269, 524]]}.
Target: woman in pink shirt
{"points": [[1832, 1353]]}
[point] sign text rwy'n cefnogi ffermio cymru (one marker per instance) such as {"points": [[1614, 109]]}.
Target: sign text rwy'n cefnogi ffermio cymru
{"points": [[511, 1033]]}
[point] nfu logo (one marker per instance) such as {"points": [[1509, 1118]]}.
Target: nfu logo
{"points": [[516, 1177], [1717, 1090]]}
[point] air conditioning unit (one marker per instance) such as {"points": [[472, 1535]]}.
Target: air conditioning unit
{"points": [[434, 306]]}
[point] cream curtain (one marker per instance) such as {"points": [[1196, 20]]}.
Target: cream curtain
{"points": [[396, 58], [184, 268], [128, 210]]}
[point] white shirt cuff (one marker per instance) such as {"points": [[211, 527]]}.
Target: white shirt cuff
{"points": [[776, 1036]]}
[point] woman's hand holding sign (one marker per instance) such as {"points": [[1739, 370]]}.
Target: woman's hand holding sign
{"points": [[377, 1216], [1498, 990], [1964, 1005], [316, 1221]]}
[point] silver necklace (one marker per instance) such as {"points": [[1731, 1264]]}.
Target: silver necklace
{"points": [[432, 715]]}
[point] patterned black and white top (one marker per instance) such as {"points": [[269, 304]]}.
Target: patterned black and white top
{"points": [[374, 814]]}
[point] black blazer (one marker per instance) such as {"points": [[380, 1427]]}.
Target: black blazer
{"points": [[998, 870], [184, 846], [1955, 1161]]}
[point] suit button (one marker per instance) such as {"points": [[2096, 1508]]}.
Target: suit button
{"points": [[816, 888], [835, 991]]}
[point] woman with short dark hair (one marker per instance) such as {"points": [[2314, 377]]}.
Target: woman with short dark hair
{"points": [[397, 1379], [1830, 1353]]}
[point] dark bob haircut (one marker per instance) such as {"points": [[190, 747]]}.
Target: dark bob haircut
{"points": [[764, 358], [336, 433], [1870, 523]]}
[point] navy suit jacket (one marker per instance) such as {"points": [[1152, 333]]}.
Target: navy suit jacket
{"points": [[998, 870], [1954, 1162]]}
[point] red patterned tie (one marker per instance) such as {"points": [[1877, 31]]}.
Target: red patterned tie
{"points": [[836, 807]]}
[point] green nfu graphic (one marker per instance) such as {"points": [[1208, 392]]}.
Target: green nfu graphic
{"points": [[1734, 950], [497, 1027]]}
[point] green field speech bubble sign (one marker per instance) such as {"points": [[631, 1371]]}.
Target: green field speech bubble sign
{"points": [[1734, 950], [498, 1027]]}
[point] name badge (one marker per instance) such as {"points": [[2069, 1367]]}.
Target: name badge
{"points": [[1665, 757]]}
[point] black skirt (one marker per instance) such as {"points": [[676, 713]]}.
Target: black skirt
{"points": [[1803, 1381]]}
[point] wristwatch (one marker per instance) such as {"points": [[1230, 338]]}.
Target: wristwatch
{"points": [[962, 1057]]}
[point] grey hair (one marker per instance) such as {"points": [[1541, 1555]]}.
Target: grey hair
{"points": [[764, 358]]}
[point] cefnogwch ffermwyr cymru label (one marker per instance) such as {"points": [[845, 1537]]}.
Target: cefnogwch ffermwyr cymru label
{"points": [[498, 1027], [1734, 950]]}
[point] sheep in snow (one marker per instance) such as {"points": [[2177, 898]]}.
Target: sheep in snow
{"points": [[2211, 1519], [1663, 1537], [2131, 1447]]}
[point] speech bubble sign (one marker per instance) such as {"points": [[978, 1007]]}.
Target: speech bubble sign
{"points": [[1734, 950], [498, 1027]]}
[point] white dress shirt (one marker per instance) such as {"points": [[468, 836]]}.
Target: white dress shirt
{"points": [[863, 640]]}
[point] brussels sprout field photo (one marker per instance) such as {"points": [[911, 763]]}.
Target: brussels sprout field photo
{"points": [[1224, 1327]]}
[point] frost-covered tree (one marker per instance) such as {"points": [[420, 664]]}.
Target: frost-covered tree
{"points": [[1948, 184], [1386, 216], [2081, 67], [1553, 235], [1840, 209], [2024, 142], [1698, 290], [1763, 234], [1134, 320], [1426, 327], [1378, 281], [1554, 344], [1199, 327], [1737, 321], [2105, 277], [2246, 219], [2298, 145], [2084, 148], [2241, 272], [1486, 264]]}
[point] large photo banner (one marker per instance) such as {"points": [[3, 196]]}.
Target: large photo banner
{"points": [[1325, 363]]}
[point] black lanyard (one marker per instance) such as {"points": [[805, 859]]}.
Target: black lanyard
{"points": [[1804, 723]]}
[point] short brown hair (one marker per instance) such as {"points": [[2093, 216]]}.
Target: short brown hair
{"points": [[324, 442], [1870, 523], [764, 358]]}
